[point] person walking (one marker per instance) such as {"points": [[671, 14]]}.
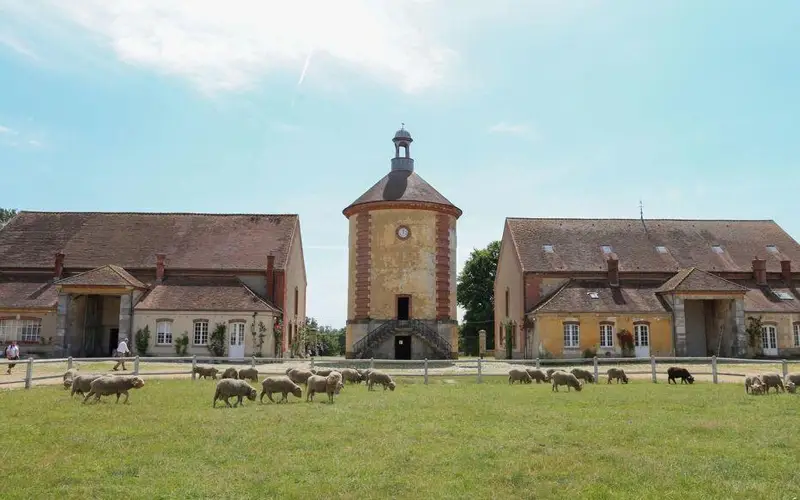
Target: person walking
{"points": [[122, 351], [12, 354]]}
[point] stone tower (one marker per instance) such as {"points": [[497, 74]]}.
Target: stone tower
{"points": [[401, 300]]}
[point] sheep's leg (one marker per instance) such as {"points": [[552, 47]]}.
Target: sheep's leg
{"points": [[85, 399], [227, 402], [126, 398]]}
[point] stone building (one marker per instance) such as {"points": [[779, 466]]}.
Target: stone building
{"points": [[75, 283], [679, 287], [402, 268]]}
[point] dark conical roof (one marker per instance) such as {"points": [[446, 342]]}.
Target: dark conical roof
{"points": [[402, 186]]}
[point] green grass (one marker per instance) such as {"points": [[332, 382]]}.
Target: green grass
{"points": [[450, 439]]}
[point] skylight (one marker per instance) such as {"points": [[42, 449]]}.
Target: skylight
{"points": [[772, 249], [717, 248], [548, 248], [784, 295], [607, 248], [661, 249], [593, 295]]}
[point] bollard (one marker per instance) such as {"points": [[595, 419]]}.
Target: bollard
{"points": [[312, 362], [714, 369], [69, 363], [785, 368], [653, 368], [28, 373], [596, 370], [538, 365], [426, 371], [136, 365], [480, 369], [253, 361], [372, 362], [194, 365]]}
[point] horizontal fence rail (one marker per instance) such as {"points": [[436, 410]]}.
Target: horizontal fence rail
{"points": [[478, 368]]}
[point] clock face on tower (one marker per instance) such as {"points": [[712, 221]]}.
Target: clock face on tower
{"points": [[403, 232]]}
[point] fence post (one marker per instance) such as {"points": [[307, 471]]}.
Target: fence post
{"points": [[426, 371], [714, 369], [28, 373], [253, 361], [372, 362], [785, 368], [596, 369], [480, 369], [194, 365], [312, 362], [653, 368], [136, 365], [69, 363], [538, 365]]}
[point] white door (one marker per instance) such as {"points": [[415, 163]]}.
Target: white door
{"points": [[236, 348], [641, 341], [769, 340]]}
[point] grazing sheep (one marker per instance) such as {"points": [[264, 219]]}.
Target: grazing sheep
{"points": [[618, 374], [582, 374], [794, 378], [350, 375], [568, 379], [538, 375], [365, 373], [675, 372], [772, 380], [330, 385], [299, 375], [322, 372], [751, 380], [378, 377], [519, 375], [68, 376], [284, 385], [791, 387], [205, 372], [230, 373], [757, 387], [118, 384], [550, 372], [248, 374], [227, 388], [83, 383]]}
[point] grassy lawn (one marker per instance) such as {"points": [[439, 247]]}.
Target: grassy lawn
{"points": [[451, 439]]}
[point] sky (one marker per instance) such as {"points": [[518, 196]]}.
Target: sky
{"points": [[545, 108]]}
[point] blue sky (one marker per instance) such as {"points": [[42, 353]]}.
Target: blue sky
{"points": [[517, 108]]}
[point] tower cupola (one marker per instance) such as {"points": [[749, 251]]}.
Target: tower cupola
{"points": [[402, 141]]}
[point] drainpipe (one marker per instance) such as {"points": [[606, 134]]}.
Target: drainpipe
{"points": [[130, 322], [675, 327]]}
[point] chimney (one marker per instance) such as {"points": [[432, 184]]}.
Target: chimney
{"points": [[786, 272], [613, 271], [59, 265], [160, 267], [760, 271], [271, 278]]}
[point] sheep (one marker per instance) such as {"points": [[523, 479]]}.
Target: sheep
{"points": [[205, 372], [568, 379], [322, 372], [230, 373], [378, 377], [675, 372], [118, 384], [550, 372], [751, 380], [580, 373], [299, 375], [757, 387], [69, 375], [330, 385], [248, 374], [538, 375], [83, 383], [365, 373], [794, 378], [351, 375], [617, 373], [281, 384], [791, 387], [772, 380], [233, 387], [519, 375]]}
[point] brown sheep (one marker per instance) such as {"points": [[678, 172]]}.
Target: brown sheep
{"points": [[233, 387], [582, 374], [618, 374], [118, 384], [82, 384], [550, 372], [205, 372], [756, 387], [538, 375], [332, 384], [773, 380], [68, 376], [230, 373], [378, 377], [568, 379], [351, 375], [284, 385], [322, 372], [794, 378], [791, 387], [751, 380], [519, 375], [299, 375], [248, 374]]}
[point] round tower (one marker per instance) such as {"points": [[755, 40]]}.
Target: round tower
{"points": [[401, 300]]}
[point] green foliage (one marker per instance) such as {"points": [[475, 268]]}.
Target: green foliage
{"points": [[181, 344], [258, 339], [142, 340], [753, 330], [218, 341], [277, 333], [475, 293], [6, 214], [590, 352]]}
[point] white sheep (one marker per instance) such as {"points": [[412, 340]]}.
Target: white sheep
{"points": [[773, 380], [332, 384], [568, 379], [791, 387], [378, 377], [229, 387], [299, 375], [284, 385], [750, 380], [519, 375], [68, 376], [83, 383], [119, 384], [757, 387]]}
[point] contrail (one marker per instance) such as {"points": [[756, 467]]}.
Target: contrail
{"points": [[305, 68]]}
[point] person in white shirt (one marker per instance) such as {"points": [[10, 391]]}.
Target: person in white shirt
{"points": [[12, 353], [122, 351]]}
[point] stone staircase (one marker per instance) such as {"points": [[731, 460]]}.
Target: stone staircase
{"points": [[367, 346]]}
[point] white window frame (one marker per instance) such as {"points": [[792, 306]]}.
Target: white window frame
{"points": [[641, 330], [606, 333], [24, 331], [572, 335], [237, 327], [796, 331], [765, 336], [166, 332], [199, 327]]}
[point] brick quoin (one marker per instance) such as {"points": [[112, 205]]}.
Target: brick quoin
{"points": [[363, 264]]}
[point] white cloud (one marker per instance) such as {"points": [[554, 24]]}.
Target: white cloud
{"points": [[35, 143], [231, 45], [7, 130], [520, 129], [17, 46]]}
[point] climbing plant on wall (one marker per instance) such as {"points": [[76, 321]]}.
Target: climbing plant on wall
{"points": [[218, 341]]}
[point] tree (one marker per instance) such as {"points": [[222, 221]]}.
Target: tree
{"points": [[475, 293], [6, 214], [318, 340]]}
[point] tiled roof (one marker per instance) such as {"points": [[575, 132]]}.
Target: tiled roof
{"points": [[688, 243], [108, 275], [697, 280], [767, 299], [575, 296], [211, 294], [131, 240], [27, 292], [401, 185]]}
